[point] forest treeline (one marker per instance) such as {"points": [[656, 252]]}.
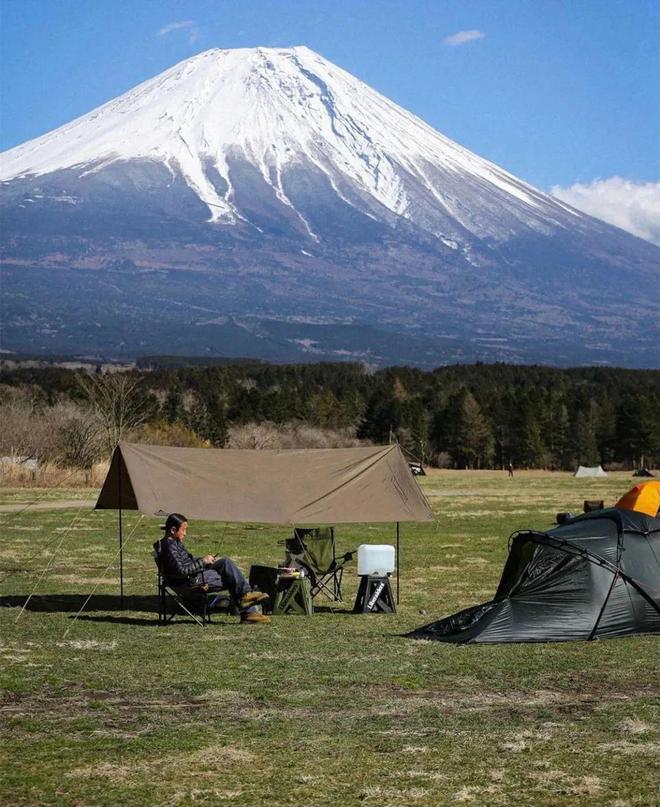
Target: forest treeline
{"points": [[463, 416]]}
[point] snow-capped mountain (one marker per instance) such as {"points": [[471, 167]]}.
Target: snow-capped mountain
{"points": [[286, 210]]}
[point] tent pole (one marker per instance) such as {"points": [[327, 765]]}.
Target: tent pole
{"points": [[121, 564], [398, 536], [121, 545]]}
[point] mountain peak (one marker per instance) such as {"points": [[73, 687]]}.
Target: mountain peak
{"points": [[275, 107]]}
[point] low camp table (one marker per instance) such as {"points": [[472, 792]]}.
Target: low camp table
{"points": [[288, 594]]}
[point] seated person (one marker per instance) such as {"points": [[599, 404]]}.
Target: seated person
{"points": [[180, 568]]}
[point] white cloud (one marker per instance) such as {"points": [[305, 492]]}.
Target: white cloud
{"points": [[182, 25], [193, 30], [461, 37], [633, 206], [175, 26]]}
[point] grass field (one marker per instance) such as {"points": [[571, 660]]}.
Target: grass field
{"points": [[337, 709]]}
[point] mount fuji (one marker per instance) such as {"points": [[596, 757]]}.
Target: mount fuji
{"points": [[263, 202]]}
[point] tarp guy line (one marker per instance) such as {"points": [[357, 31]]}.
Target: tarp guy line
{"points": [[82, 607]]}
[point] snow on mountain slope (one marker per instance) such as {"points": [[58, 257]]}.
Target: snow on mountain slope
{"points": [[285, 210], [276, 108]]}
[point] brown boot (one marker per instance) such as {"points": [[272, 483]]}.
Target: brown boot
{"points": [[254, 618], [252, 598]]}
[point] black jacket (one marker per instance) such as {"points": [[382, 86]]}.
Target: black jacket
{"points": [[178, 566]]}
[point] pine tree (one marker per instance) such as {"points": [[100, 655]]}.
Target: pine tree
{"points": [[586, 445], [561, 447], [638, 429], [173, 406], [606, 430], [472, 443], [530, 451]]}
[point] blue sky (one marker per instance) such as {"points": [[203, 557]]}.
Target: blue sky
{"points": [[555, 91]]}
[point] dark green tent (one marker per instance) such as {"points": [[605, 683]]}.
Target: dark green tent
{"points": [[594, 577]]}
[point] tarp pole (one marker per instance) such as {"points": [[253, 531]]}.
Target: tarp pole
{"points": [[398, 536], [121, 545], [121, 564]]}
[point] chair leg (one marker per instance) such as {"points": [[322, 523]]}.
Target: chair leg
{"points": [[339, 574], [322, 586], [162, 604], [180, 603], [201, 622]]}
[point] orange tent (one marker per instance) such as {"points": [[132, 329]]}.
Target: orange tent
{"points": [[644, 498]]}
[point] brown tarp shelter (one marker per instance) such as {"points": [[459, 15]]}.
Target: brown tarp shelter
{"points": [[292, 486]]}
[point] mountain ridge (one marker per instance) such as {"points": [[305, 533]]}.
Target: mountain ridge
{"points": [[268, 184]]}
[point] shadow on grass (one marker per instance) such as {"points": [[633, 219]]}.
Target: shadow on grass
{"points": [[125, 620], [64, 603], [72, 603], [334, 610]]}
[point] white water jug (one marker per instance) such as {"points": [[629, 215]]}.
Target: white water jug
{"points": [[376, 559]]}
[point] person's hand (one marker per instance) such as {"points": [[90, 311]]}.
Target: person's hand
{"points": [[208, 559]]}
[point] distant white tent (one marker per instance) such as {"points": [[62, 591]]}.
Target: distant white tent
{"points": [[584, 470]]}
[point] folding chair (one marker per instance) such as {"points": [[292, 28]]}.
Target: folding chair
{"points": [[196, 601], [314, 550]]}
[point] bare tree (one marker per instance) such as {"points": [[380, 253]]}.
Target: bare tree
{"points": [[26, 430], [288, 435], [253, 435], [79, 437], [119, 402]]}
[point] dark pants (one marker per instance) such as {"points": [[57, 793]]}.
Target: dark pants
{"points": [[225, 574]]}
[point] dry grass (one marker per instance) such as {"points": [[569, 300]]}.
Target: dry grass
{"points": [[52, 476]]}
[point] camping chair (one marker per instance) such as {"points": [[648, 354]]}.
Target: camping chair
{"points": [[196, 601], [314, 550]]}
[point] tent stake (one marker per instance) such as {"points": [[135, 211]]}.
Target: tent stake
{"points": [[398, 535]]}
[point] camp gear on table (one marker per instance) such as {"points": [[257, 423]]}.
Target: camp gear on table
{"points": [[314, 550], [595, 576]]}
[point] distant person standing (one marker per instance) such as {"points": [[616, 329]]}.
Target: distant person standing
{"points": [[510, 469]]}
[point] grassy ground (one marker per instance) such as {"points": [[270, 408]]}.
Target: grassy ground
{"points": [[36, 495], [330, 710]]}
